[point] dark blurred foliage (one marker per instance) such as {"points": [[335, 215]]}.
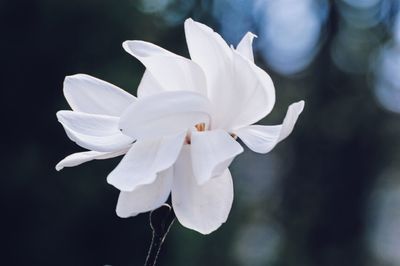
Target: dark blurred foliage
{"points": [[317, 199]]}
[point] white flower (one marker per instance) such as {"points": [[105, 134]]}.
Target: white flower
{"points": [[185, 124], [218, 94]]}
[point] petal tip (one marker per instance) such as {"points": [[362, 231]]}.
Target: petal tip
{"points": [[122, 214], [59, 167], [207, 232], [299, 106], [251, 35], [61, 116], [125, 45], [74, 76], [71, 80], [129, 46], [110, 180], [188, 20]]}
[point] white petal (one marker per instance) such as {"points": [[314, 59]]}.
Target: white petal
{"points": [[144, 160], [165, 114], [212, 153], [172, 72], [93, 132], [254, 94], [88, 94], [294, 110], [145, 197], [148, 85], [245, 46], [210, 51], [200, 207], [83, 157], [263, 139], [241, 92]]}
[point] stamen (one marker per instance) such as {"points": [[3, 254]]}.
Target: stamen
{"points": [[201, 127]]}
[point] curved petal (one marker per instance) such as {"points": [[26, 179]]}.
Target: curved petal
{"points": [[200, 207], [245, 46], [78, 158], [91, 95], [212, 152], [241, 92], [144, 160], [254, 94], [93, 132], [213, 55], [262, 139], [172, 72], [145, 197], [165, 114]]}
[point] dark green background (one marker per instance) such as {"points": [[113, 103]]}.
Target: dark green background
{"points": [[313, 207]]}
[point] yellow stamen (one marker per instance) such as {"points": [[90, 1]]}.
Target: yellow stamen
{"points": [[201, 127]]}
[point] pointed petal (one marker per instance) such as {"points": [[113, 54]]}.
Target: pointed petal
{"points": [[83, 157], [245, 46], [293, 113], [144, 160], [165, 114], [202, 208], [145, 197], [88, 94], [212, 152], [204, 43], [93, 132], [241, 92], [253, 94], [213, 55], [172, 72], [262, 139]]}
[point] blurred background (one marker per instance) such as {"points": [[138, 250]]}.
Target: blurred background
{"points": [[329, 195]]}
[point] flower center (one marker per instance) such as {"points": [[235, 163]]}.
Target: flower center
{"points": [[201, 127]]}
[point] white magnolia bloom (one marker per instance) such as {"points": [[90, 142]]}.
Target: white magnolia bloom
{"points": [[184, 126]]}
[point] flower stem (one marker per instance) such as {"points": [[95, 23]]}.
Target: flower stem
{"points": [[161, 220]]}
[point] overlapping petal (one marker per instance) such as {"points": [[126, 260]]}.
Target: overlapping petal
{"points": [[241, 92], [262, 139], [172, 72], [254, 94], [245, 46], [145, 197], [212, 152], [91, 95], [93, 132], [165, 114], [144, 160], [210, 51], [200, 207], [78, 158]]}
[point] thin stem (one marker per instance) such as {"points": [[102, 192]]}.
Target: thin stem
{"points": [[161, 220]]}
